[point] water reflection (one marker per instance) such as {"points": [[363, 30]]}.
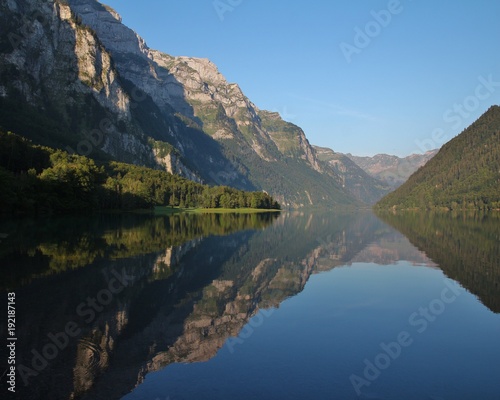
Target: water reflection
{"points": [[145, 292], [465, 245], [45, 247]]}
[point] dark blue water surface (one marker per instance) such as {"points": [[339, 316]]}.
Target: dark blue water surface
{"points": [[313, 344], [294, 306]]}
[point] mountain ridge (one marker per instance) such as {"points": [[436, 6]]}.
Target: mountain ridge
{"points": [[391, 169]]}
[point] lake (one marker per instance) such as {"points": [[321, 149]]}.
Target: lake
{"points": [[297, 305]]}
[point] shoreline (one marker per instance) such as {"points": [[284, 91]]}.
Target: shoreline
{"points": [[199, 210]]}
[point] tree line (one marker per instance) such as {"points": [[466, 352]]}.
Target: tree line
{"points": [[38, 180]]}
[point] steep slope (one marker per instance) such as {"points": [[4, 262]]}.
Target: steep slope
{"points": [[392, 170], [211, 127], [356, 181], [275, 155], [464, 174]]}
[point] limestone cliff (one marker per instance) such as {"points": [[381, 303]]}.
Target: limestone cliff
{"points": [[255, 149], [55, 68]]}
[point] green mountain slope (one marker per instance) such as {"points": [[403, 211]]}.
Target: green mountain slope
{"points": [[464, 174]]}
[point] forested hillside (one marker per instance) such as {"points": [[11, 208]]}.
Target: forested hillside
{"points": [[464, 174]]}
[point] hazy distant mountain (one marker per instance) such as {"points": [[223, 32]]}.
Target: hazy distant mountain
{"points": [[73, 76], [355, 180], [464, 174], [392, 170]]}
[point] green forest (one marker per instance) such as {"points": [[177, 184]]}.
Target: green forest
{"points": [[38, 180], [465, 174]]}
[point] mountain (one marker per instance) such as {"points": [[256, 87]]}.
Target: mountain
{"points": [[464, 174], [72, 76], [392, 170], [355, 180]]}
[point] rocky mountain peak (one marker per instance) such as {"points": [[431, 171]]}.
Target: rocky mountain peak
{"points": [[108, 24], [207, 70]]}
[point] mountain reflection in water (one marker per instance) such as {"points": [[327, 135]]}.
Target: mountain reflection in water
{"points": [[188, 283]]}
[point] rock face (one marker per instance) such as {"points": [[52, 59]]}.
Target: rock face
{"points": [[73, 76], [58, 67], [392, 170], [261, 147]]}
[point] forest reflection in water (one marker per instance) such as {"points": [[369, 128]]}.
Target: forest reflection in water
{"points": [[45, 247], [188, 283], [465, 245]]}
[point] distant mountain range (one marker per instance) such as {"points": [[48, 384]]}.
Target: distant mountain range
{"points": [[371, 178], [392, 170], [464, 174], [355, 179]]}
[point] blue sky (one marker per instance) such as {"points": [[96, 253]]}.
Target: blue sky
{"points": [[417, 75]]}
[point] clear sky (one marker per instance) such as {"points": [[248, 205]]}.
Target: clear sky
{"points": [[362, 77]]}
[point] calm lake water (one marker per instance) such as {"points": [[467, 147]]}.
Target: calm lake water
{"points": [[308, 305]]}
